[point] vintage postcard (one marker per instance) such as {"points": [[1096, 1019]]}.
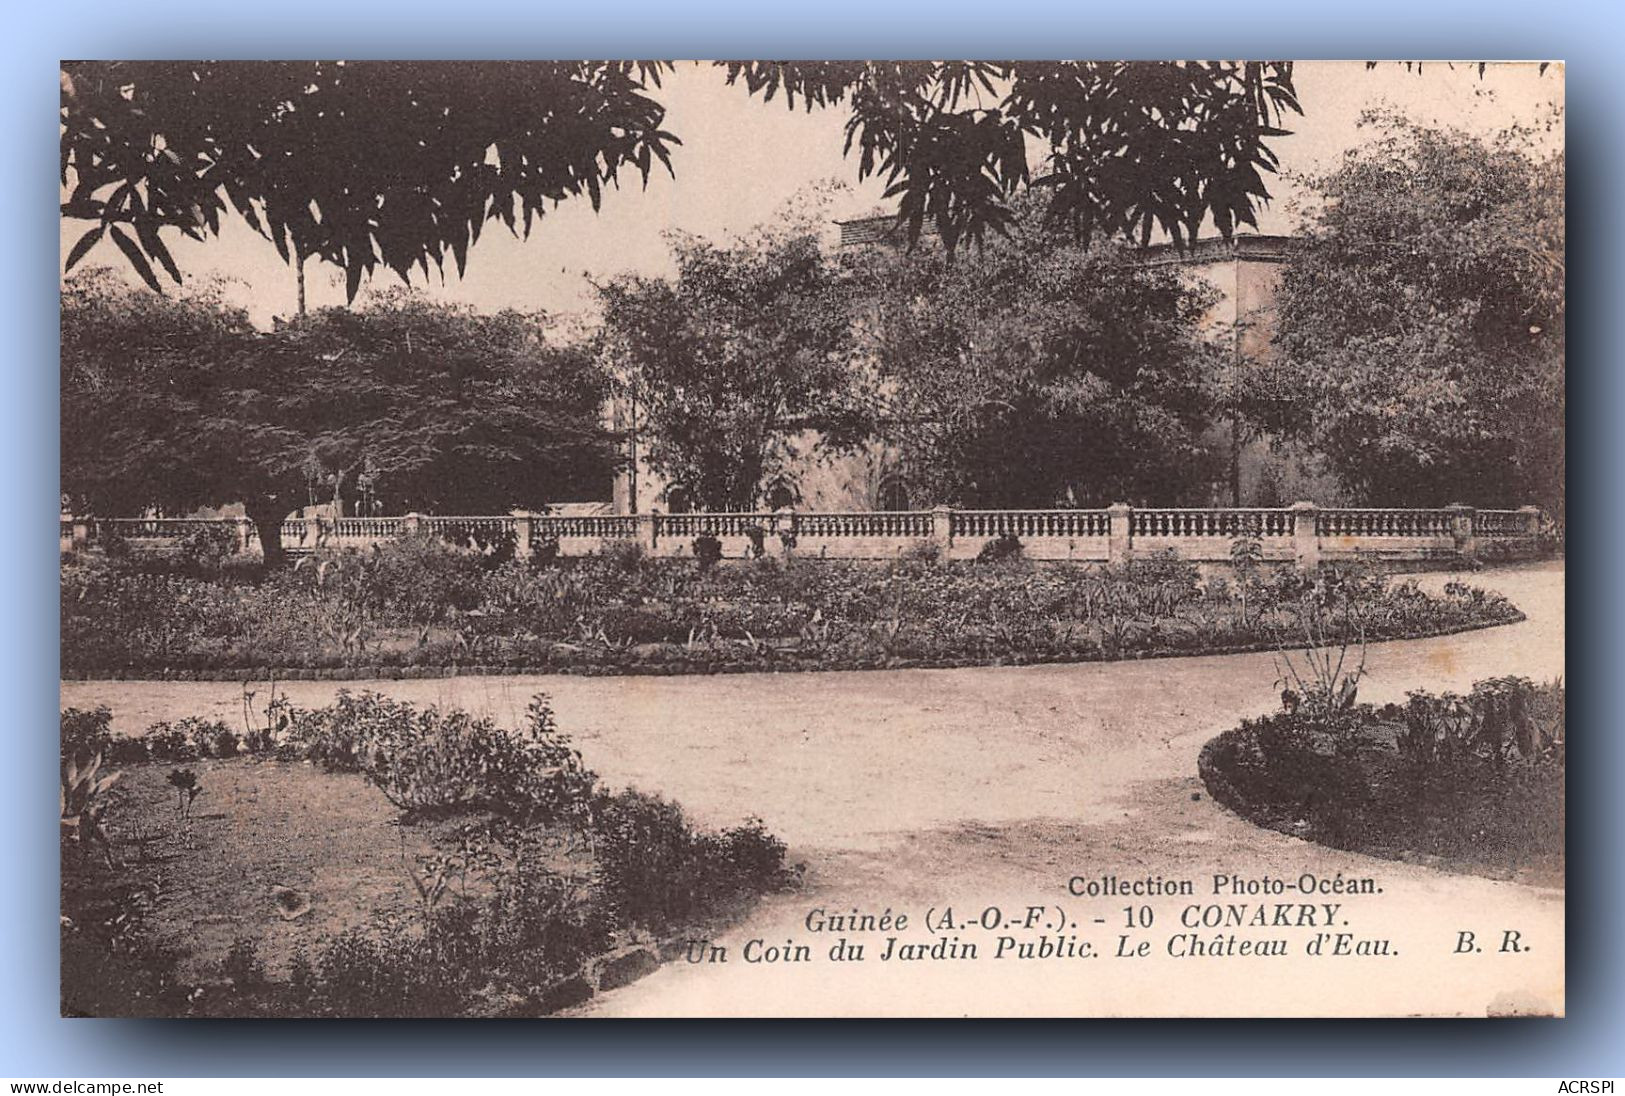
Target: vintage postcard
{"points": [[812, 539]]}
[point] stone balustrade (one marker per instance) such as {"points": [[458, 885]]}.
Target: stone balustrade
{"points": [[1384, 523], [1228, 523], [717, 524], [1302, 533], [1023, 524]]}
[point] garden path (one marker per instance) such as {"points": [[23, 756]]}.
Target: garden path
{"points": [[975, 787]]}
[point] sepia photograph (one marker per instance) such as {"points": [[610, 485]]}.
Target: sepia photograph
{"points": [[548, 539]]}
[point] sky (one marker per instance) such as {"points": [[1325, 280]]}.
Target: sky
{"points": [[742, 161]]}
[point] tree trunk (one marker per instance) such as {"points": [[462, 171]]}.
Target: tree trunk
{"points": [[1235, 460], [267, 519]]}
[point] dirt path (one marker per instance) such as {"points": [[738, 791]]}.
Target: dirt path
{"points": [[919, 789]]}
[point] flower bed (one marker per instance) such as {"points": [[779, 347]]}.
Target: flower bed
{"points": [[1470, 783], [371, 858], [417, 608]]}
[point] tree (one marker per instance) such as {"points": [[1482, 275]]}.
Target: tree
{"points": [[1421, 333], [398, 163], [734, 361], [123, 353], [1041, 371], [439, 406]]}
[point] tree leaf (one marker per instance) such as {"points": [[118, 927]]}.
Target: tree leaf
{"points": [[137, 260], [86, 242]]}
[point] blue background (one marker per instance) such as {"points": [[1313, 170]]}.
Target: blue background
{"points": [[35, 1042]]}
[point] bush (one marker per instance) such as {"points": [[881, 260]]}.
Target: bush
{"points": [[922, 551], [1476, 780], [188, 739], [625, 557], [206, 547], [86, 735], [1504, 720], [657, 871], [243, 967], [389, 975], [438, 762], [707, 551], [1005, 546]]}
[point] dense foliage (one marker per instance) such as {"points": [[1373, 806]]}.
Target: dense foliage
{"points": [[402, 607], [1040, 371], [1476, 781], [727, 365], [518, 933], [1421, 331], [398, 163], [176, 403], [359, 163]]}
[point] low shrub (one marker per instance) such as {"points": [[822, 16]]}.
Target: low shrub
{"points": [[189, 739], [922, 551], [388, 975], [1503, 721], [206, 548], [87, 734], [623, 556], [436, 762], [707, 551], [1005, 546], [658, 872]]}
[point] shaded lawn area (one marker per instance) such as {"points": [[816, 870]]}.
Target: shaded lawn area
{"points": [[260, 826]]}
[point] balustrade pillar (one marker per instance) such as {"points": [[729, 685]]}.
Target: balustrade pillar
{"points": [[1531, 520], [412, 524], [1461, 530], [1120, 540], [1305, 538], [81, 533], [242, 527], [523, 525], [942, 526], [646, 531]]}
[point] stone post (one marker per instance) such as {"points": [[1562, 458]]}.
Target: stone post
{"points": [[1120, 543], [646, 532], [785, 530], [523, 528], [1461, 530], [81, 534], [242, 527], [942, 527], [1305, 540], [412, 524], [1531, 520]]}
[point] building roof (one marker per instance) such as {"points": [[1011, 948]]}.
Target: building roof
{"points": [[1256, 247], [882, 228]]}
